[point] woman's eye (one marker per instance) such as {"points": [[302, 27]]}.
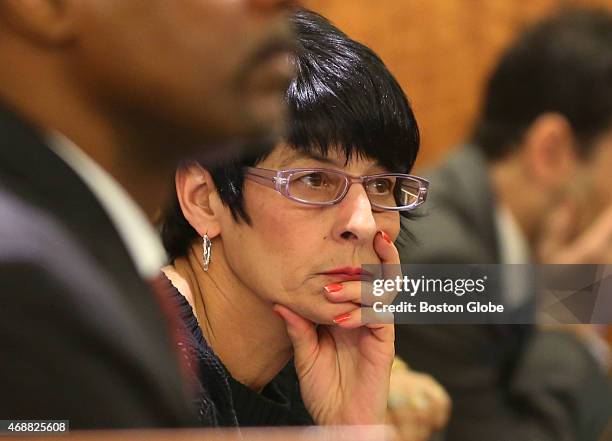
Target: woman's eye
{"points": [[380, 186], [314, 179]]}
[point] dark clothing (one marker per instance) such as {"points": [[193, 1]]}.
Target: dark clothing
{"points": [[507, 382], [81, 335], [224, 401], [211, 391], [278, 404]]}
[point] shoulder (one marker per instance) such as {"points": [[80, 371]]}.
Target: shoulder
{"points": [[179, 283], [440, 239], [54, 275], [34, 239], [213, 398], [175, 287]]}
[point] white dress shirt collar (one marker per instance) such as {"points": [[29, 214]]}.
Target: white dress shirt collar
{"points": [[513, 246], [138, 234]]}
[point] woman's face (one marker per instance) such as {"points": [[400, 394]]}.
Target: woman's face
{"points": [[283, 254]]}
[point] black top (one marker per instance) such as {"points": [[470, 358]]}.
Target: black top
{"points": [[224, 401]]}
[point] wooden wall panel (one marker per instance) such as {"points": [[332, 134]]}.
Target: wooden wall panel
{"points": [[440, 50]]}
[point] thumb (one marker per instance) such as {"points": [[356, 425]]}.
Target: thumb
{"points": [[302, 333]]}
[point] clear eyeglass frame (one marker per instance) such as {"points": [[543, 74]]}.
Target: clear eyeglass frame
{"points": [[280, 181]]}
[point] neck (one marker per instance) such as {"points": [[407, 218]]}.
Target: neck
{"points": [[43, 92], [242, 329]]}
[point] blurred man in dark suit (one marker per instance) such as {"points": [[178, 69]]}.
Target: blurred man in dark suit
{"points": [[537, 174], [99, 100]]}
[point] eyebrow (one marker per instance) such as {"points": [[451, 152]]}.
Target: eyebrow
{"points": [[316, 157], [305, 155]]}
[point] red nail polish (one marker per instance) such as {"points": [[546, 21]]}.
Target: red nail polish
{"points": [[342, 318], [333, 287], [386, 237]]}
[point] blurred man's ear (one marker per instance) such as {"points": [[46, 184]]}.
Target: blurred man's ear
{"points": [[45, 22], [549, 153]]}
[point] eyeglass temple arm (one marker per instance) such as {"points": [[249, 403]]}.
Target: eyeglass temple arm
{"points": [[262, 176]]}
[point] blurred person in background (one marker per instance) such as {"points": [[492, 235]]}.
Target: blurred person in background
{"points": [[534, 185], [99, 101], [267, 253]]}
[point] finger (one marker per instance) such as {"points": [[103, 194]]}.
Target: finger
{"points": [[360, 293], [386, 250], [350, 292], [390, 260], [381, 323], [302, 333], [339, 308]]}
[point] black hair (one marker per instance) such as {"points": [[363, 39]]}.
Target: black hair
{"points": [[562, 64], [342, 97]]}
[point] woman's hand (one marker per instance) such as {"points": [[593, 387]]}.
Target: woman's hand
{"points": [[344, 369], [418, 406]]}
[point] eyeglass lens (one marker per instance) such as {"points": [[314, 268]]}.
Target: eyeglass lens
{"points": [[327, 186]]}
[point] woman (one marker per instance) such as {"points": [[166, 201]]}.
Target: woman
{"points": [[268, 251]]}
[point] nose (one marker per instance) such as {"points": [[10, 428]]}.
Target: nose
{"points": [[355, 221], [267, 5]]}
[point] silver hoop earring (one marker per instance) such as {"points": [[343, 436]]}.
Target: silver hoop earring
{"points": [[207, 251]]}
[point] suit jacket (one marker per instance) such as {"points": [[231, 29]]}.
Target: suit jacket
{"points": [[81, 335], [506, 381]]}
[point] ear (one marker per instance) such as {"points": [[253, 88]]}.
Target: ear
{"points": [[196, 192], [550, 152], [46, 22]]}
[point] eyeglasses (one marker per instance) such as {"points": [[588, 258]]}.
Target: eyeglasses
{"points": [[320, 186]]}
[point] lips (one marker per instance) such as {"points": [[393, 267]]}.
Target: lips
{"points": [[348, 274]]}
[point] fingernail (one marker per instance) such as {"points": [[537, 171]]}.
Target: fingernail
{"points": [[386, 237], [342, 318], [332, 287]]}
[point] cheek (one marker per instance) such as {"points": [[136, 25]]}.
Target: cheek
{"points": [[290, 237], [272, 254]]}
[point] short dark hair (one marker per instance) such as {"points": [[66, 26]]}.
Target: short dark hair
{"points": [[562, 64], [343, 97]]}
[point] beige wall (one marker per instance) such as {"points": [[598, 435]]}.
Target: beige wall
{"points": [[440, 51]]}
